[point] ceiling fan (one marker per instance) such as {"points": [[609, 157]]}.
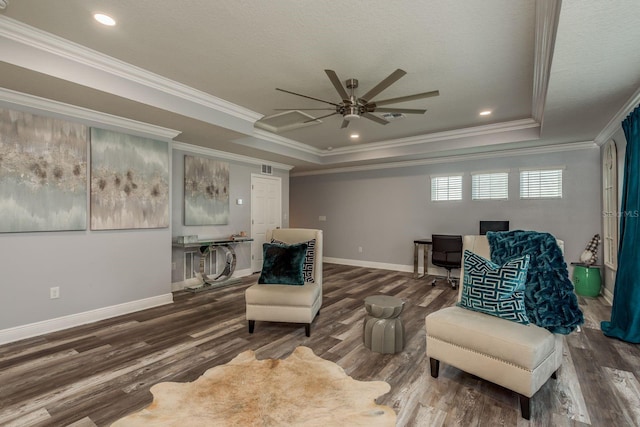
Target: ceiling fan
{"points": [[353, 107]]}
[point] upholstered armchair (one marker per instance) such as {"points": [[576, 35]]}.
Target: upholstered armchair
{"points": [[291, 303], [517, 356]]}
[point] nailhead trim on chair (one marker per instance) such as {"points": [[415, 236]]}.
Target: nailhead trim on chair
{"points": [[488, 355]]}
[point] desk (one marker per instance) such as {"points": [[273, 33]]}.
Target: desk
{"points": [[416, 249], [205, 247]]}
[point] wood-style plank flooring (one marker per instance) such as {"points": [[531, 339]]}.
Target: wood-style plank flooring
{"points": [[94, 374]]}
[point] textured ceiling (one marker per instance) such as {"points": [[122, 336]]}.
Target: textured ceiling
{"points": [[232, 56]]}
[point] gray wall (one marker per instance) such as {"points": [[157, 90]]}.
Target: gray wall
{"points": [[239, 215], [384, 210], [94, 269], [98, 269]]}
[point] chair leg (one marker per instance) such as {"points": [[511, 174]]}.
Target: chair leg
{"points": [[307, 329], [252, 324], [525, 406], [435, 367]]}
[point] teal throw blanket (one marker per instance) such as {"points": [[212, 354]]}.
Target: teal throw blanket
{"points": [[549, 298]]}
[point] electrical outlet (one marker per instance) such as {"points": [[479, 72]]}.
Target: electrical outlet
{"points": [[322, 218], [54, 293], [359, 249]]}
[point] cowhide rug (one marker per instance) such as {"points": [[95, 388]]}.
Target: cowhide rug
{"points": [[301, 390]]}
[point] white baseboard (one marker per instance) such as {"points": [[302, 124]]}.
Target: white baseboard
{"points": [[178, 286], [435, 271], [59, 323], [608, 296]]}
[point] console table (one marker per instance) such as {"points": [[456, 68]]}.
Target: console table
{"points": [[416, 249], [205, 247]]}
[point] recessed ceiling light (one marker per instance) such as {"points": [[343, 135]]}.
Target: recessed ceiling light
{"points": [[104, 19], [354, 136], [485, 112]]}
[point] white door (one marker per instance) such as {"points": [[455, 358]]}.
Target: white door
{"points": [[266, 207]]}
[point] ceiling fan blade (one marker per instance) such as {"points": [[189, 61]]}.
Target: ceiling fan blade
{"points": [[345, 123], [408, 98], [306, 109], [400, 110], [337, 84], [306, 96], [318, 118], [375, 118], [393, 77]]}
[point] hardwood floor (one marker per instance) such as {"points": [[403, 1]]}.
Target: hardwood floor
{"points": [[94, 374]]}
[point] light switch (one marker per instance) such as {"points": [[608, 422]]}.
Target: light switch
{"points": [[239, 201]]}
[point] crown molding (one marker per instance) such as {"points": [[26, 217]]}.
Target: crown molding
{"points": [[286, 142], [470, 132], [196, 149], [37, 105], [585, 145], [31, 37], [547, 18], [615, 124]]}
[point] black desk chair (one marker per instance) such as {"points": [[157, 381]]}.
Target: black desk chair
{"points": [[446, 252]]}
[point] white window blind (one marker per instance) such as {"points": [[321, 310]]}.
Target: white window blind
{"points": [[541, 184], [490, 186], [446, 188]]}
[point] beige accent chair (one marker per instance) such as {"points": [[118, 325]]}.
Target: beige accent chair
{"points": [[518, 357], [288, 303]]}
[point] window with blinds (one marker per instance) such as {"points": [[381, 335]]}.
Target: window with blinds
{"points": [[610, 205], [446, 188], [541, 184], [490, 186]]}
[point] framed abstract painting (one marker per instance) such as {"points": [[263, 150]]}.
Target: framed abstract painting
{"points": [[206, 191], [129, 181], [43, 173]]}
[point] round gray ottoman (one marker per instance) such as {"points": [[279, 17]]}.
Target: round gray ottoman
{"points": [[383, 330]]}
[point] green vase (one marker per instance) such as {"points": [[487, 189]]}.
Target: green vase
{"points": [[587, 280]]}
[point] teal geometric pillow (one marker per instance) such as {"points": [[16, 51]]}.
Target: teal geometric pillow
{"points": [[495, 289], [282, 264]]}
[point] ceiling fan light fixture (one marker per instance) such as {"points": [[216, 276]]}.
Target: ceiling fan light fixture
{"points": [[351, 113]]}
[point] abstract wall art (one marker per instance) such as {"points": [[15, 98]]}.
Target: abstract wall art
{"points": [[206, 191], [129, 181], [43, 173]]}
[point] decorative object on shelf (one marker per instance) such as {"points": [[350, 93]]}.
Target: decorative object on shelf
{"points": [[590, 254], [187, 239], [44, 173], [129, 181], [240, 235], [206, 191]]}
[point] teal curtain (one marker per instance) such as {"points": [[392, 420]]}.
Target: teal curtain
{"points": [[625, 313]]}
